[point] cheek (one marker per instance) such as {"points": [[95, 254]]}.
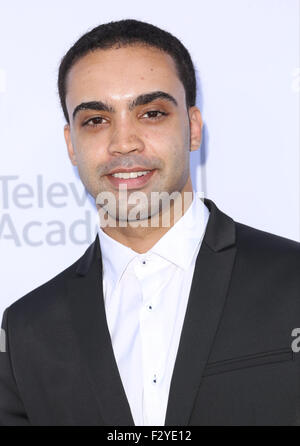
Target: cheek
{"points": [[87, 150], [86, 163]]}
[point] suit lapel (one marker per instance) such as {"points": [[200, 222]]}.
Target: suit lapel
{"points": [[207, 297], [88, 316], [206, 301]]}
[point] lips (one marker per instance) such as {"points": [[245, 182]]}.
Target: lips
{"points": [[132, 169], [131, 183]]}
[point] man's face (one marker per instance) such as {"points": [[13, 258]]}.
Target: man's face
{"points": [[142, 123]]}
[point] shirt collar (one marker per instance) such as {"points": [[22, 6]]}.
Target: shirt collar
{"points": [[115, 256], [178, 245]]}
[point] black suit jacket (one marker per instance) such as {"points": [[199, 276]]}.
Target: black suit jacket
{"points": [[234, 366]]}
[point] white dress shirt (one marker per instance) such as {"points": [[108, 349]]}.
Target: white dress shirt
{"points": [[145, 297]]}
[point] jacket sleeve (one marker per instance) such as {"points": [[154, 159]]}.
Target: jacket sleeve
{"points": [[12, 411]]}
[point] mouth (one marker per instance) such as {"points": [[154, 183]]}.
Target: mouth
{"points": [[133, 179]]}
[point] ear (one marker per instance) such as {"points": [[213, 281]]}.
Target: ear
{"points": [[196, 125], [71, 152]]}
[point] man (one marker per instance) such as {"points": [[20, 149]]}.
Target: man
{"points": [[188, 323]]}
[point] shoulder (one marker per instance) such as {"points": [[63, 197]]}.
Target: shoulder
{"points": [[256, 240], [46, 299], [262, 252]]}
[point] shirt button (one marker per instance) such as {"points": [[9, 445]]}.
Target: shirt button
{"points": [[149, 307], [144, 262]]}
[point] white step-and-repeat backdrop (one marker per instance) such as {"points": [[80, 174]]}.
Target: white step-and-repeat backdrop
{"points": [[247, 57]]}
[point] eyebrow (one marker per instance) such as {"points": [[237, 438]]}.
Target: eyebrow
{"points": [[142, 99]]}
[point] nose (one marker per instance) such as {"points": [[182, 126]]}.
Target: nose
{"points": [[125, 139]]}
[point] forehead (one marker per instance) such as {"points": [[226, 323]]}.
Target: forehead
{"points": [[122, 72]]}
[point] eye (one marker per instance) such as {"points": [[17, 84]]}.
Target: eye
{"points": [[94, 122], [155, 114]]}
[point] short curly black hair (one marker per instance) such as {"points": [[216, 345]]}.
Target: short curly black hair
{"points": [[124, 33]]}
